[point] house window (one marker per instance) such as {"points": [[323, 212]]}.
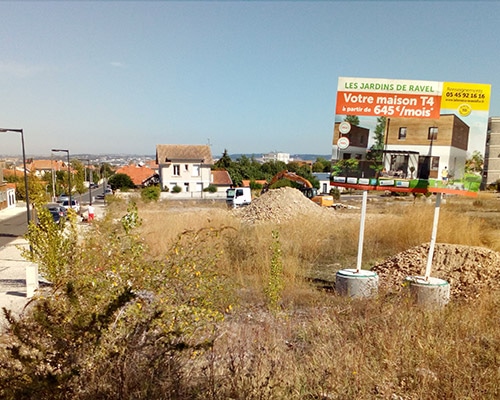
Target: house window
{"points": [[402, 133], [433, 133], [195, 170], [186, 186], [177, 170], [186, 167], [434, 163]]}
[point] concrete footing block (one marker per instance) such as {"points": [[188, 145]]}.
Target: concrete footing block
{"points": [[356, 284], [432, 293]]}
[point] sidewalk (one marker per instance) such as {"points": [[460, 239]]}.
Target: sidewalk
{"points": [[15, 272]]}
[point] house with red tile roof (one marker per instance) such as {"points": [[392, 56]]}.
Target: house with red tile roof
{"points": [[246, 182], [40, 167], [222, 180], [7, 190], [141, 175], [184, 166]]}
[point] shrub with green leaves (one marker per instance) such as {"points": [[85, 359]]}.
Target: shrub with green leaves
{"points": [[210, 189], [116, 323], [150, 193]]}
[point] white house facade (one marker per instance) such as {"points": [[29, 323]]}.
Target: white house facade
{"points": [[185, 166]]}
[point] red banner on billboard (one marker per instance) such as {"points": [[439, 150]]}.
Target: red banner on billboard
{"points": [[399, 105]]}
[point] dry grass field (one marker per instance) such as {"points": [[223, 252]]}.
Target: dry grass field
{"points": [[318, 345], [285, 333]]}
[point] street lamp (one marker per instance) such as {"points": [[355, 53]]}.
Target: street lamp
{"points": [[25, 173], [69, 174]]}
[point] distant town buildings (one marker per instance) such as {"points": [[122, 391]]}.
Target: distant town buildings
{"points": [[285, 157], [413, 147]]}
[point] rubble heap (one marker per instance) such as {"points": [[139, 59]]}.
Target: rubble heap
{"points": [[280, 205], [468, 269]]}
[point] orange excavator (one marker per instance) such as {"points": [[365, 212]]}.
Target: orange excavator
{"points": [[307, 188]]}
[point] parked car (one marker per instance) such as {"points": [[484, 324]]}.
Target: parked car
{"points": [[93, 186], [75, 205], [58, 212], [101, 195], [63, 197]]}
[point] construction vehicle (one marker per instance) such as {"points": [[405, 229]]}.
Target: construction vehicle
{"points": [[306, 188]]}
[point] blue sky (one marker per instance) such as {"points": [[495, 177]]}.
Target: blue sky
{"points": [[249, 77]]}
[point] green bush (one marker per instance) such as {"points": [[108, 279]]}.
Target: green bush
{"points": [[115, 323], [150, 193], [176, 189], [211, 189], [255, 185], [335, 192]]}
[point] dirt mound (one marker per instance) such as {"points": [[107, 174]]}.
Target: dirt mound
{"points": [[279, 205], [469, 270]]}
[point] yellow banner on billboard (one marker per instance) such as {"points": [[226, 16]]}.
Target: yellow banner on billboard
{"points": [[465, 97]]}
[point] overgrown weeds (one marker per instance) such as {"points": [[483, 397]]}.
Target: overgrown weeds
{"points": [[159, 303]]}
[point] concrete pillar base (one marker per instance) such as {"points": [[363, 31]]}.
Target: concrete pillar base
{"points": [[433, 293], [31, 279], [354, 284]]}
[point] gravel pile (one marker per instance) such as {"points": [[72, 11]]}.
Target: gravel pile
{"points": [[280, 205], [469, 270]]}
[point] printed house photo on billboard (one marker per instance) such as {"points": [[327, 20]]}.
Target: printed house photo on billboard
{"points": [[408, 136]]}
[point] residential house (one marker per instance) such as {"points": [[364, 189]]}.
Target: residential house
{"points": [[40, 167], [426, 146], [221, 180], [358, 143], [246, 182], [324, 182], [184, 166], [7, 190], [414, 147], [141, 175], [151, 164]]}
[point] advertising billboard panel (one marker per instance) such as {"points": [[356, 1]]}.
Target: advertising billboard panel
{"points": [[429, 129]]}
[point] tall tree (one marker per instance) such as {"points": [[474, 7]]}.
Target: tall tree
{"points": [[322, 165], [375, 153], [224, 162], [78, 178]]}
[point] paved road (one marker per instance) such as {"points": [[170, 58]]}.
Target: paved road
{"points": [[14, 270], [12, 227]]}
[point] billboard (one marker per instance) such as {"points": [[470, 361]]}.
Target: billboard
{"points": [[450, 121]]}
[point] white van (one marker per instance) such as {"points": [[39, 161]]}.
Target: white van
{"points": [[237, 197]]}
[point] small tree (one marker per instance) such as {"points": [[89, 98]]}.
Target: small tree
{"points": [[345, 167], [375, 153], [121, 181]]}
